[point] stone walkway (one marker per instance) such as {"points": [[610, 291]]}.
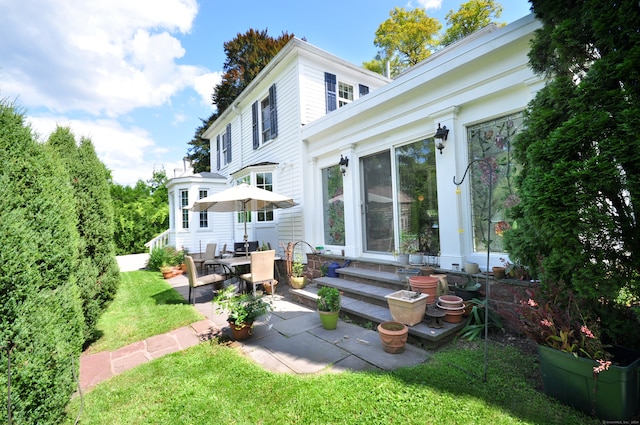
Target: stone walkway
{"points": [[291, 341]]}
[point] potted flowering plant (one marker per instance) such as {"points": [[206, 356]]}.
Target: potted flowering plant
{"points": [[242, 310], [577, 367]]}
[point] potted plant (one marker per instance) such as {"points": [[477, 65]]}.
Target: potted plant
{"points": [[329, 306], [297, 278], [242, 309], [577, 368], [167, 271], [408, 247]]}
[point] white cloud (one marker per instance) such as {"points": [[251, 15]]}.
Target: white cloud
{"points": [[204, 85], [124, 151], [429, 4], [101, 57]]}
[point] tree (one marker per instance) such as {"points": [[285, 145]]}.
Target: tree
{"points": [[199, 152], [41, 319], [97, 272], [407, 36], [580, 182], [470, 17], [141, 213], [247, 54]]}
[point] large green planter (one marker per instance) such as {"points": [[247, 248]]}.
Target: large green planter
{"points": [[329, 319], [614, 395]]}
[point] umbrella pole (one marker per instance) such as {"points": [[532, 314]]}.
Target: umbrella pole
{"points": [[246, 236]]}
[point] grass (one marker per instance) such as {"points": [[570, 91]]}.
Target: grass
{"points": [[145, 305], [212, 383]]}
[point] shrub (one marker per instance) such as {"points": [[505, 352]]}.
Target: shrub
{"points": [[40, 315], [98, 272]]}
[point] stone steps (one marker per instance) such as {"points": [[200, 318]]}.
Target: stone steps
{"points": [[363, 300]]}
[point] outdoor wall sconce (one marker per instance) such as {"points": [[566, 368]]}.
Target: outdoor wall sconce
{"points": [[344, 163], [441, 137]]}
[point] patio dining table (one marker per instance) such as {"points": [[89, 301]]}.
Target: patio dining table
{"points": [[239, 264]]}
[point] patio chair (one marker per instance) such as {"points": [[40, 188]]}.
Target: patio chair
{"points": [[209, 259], [224, 253], [215, 279], [262, 270], [209, 254]]}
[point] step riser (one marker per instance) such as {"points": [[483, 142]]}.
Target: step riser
{"points": [[358, 296], [417, 334]]}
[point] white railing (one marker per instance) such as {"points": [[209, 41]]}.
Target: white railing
{"points": [[159, 241]]}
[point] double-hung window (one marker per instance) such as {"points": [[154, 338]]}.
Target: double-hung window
{"points": [[204, 215], [265, 181], [345, 94], [184, 204], [223, 147], [339, 93], [264, 116]]}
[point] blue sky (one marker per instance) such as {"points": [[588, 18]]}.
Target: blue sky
{"points": [[135, 76]]}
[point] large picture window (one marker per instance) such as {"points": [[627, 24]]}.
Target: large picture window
{"points": [[333, 201], [491, 141], [417, 196]]}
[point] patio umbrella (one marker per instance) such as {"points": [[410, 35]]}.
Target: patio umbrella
{"points": [[243, 197]]}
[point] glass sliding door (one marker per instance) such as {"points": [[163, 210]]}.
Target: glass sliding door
{"points": [[377, 205]]}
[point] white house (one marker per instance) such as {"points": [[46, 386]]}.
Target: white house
{"points": [[307, 110]]}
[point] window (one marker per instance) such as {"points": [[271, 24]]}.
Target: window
{"points": [[184, 204], [265, 181], [339, 93], [204, 215], [417, 194], [247, 214], [330, 90], [266, 119], [345, 94], [264, 116], [333, 202], [491, 141], [223, 148]]}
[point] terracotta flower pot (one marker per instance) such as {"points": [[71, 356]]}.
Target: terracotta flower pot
{"points": [[454, 316], [241, 331], [427, 285], [270, 287], [393, 336], [450, 300], [499, 272]]}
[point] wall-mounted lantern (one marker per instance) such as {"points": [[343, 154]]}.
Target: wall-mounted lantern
{"points": [[344, 163], [441, 137]]}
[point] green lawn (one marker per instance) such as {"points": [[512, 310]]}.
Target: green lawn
{"points": [[145, 305], [216, 384]]}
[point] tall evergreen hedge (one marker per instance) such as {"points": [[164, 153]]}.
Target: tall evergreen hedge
{"points": [[580, 181], [97, 272], [41, 319]]}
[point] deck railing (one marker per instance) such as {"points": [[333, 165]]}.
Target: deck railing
{"points": [[159, 241]]}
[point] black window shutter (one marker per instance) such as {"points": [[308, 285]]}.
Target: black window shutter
{"points": [[218, 152], [330, 90], [363, 89], [273, 111], [254, 117], [228, 143]]}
